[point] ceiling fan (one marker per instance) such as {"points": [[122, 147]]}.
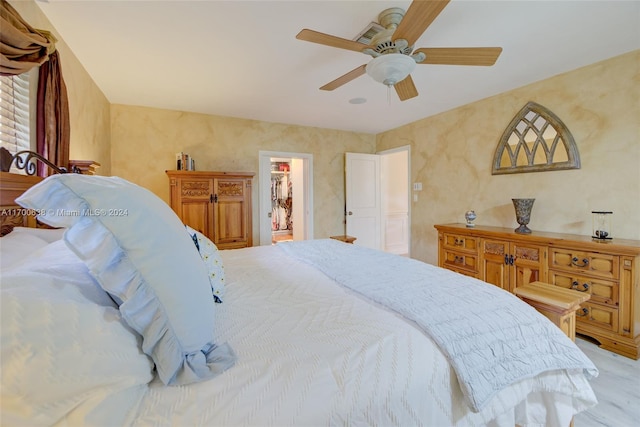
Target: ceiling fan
{"points": [[392, 48]]}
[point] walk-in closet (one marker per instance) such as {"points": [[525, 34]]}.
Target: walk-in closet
{"points": [[281, 200]]}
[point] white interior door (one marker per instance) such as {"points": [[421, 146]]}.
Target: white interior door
{"points": [[363, 204], [299, 216]]}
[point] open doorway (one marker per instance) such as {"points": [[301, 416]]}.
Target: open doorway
{"points": [[395, 188], [282, 200], [286, 194]]}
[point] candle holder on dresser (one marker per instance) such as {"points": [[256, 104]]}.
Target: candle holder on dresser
{"points": [[523, 214], [601, 225]]}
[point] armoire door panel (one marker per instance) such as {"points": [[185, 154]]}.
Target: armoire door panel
{"points": [[229, 229], [197, 216], [230, 200]]}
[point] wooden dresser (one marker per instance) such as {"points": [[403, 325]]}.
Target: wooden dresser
{"points": [[608, 270], [218, 204]]}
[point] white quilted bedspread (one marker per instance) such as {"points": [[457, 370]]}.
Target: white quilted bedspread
{"points": [[491, 338], [310, 353]]}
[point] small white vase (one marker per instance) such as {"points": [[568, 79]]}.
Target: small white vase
{"points": [[470, 216]]}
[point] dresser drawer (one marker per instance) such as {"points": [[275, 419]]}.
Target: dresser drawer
{"points": [[602, 291], [458, 242], [469, 273], [457, 260], [591, 263], [597, 315]]}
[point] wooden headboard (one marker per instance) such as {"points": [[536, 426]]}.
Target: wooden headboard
{"points": [[12, 215], [12, 185]]}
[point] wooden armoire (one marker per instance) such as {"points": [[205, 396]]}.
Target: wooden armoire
{"points": [[218, 204]]}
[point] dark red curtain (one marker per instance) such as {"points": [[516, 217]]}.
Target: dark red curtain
{"points": [[52, 117]]}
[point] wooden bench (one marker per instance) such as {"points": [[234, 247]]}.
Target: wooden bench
{"points": [[558, 304]]}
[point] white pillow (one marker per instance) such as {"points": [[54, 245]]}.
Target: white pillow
{"points": [[211, 257], [64, 346], [56, 260], [136, 248], [48, 234], [15, 248]]}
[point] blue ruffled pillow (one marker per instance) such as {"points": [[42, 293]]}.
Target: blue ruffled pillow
{"points": [[212, 260], [136, 248]]}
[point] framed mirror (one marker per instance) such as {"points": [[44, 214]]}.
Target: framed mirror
{"points": [[536, 140]]}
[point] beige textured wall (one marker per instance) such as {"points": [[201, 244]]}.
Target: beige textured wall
{"points": [[452, 155], [88, 107], [451, 152], [144, 142]]}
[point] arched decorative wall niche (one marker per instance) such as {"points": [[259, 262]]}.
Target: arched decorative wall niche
{"points": [[536, 140]]}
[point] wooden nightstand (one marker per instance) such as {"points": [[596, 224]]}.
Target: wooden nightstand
{"points": [[344, 238], [558, 304]]}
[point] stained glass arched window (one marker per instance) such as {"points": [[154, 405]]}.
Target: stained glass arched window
{"points": [[536, 140]]}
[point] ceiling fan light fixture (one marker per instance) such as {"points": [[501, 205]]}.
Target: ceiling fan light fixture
{"points": [[391, 68]]}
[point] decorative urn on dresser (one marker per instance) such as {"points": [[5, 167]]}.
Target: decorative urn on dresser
{"points": [[608, 270], [523, 214]]}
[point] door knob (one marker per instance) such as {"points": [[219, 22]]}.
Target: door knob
{"points": [[350, 213]]}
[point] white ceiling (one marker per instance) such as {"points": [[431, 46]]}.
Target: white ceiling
{"points": [[241, 58]]}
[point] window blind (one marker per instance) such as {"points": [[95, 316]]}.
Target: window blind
{"points": [[14, 112]]}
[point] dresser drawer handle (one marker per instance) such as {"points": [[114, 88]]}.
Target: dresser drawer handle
{"points": [[582, 312], [575, 260], [458, 259], [575, 284], [458, 242]]}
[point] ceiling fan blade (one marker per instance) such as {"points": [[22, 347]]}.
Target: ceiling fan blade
{"points": [[406, 89], [418, 17], [351, 75], [327, 40], [460, 55]]}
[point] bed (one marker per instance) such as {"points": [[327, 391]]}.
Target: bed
{"points": [[119, 315]]}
